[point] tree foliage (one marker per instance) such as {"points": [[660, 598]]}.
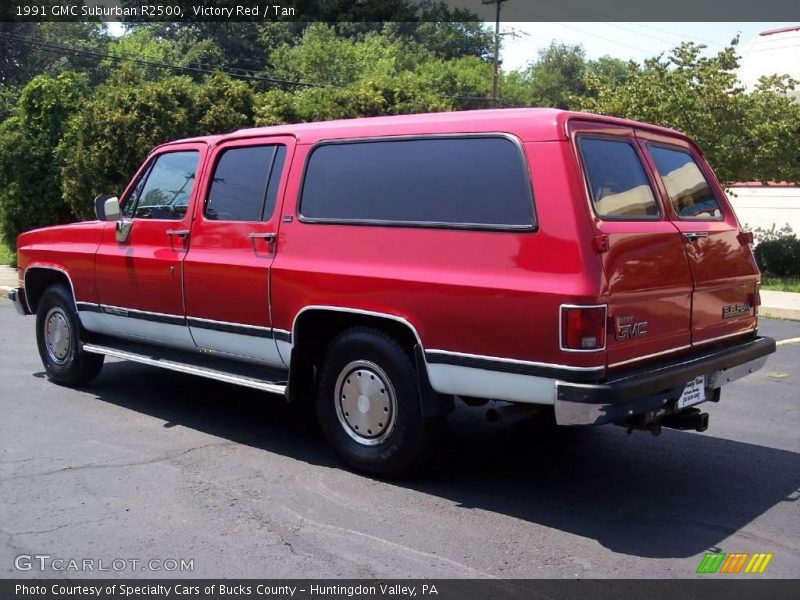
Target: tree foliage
{"points": [[746, 135], [127, 116], [76, 123], [29, 167], [21, 60]]}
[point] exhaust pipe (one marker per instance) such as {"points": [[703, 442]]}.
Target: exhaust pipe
{"points": [[687, 420], [511, 412]]}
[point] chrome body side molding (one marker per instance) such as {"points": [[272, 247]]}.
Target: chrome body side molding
{"points": [[47, 268], [285, 345]]}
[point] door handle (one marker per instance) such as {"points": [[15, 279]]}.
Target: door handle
{"points": [[693, 236], [270, 237], [181, 232]]}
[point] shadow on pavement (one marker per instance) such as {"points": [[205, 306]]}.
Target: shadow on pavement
{"points": [[671, 496]]}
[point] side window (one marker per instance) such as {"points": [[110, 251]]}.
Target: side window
{"points": [[691, 196], [469, 182], [617, 181], [245, 184], [164, 190]]}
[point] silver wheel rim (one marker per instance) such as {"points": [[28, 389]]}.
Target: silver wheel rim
{"points": [[57, 336], [366, 403]]}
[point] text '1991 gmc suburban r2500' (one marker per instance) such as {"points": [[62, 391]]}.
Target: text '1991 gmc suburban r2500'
{"points": [[381, 268]]}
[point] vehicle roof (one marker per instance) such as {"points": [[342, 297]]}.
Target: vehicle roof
{"points": [[529, 124]]}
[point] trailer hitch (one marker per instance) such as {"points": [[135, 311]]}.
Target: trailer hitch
{"points": [[690, 419]]}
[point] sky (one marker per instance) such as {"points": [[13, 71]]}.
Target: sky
{"points": [[635, 41]]}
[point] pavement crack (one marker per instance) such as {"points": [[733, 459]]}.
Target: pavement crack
{"points": [[23, 460], [112, 463], [65, 525]]}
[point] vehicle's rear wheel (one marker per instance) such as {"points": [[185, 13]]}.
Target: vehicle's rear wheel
{"points": [[58, 339], [369, 407]]}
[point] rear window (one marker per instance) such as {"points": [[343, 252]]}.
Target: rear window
{"points": [[470, 182], [245, 183], [617, 181], [689, 191]]}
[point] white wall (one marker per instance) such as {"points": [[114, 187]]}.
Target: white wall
{"points": [[766, 206]]}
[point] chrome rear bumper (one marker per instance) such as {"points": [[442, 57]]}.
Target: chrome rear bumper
{"points": [[654, 387]]}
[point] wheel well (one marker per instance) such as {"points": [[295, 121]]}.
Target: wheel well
{"points": [[37, 280], [315, 329]]}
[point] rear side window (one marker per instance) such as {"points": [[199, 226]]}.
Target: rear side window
{"points": [[691, 196], [470, 182], [245, 184], [617, 181]]}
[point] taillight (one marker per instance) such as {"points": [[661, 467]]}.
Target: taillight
{"points": [[583, 328], [755, 298]]}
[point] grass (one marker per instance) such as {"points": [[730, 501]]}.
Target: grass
{"points": [[780, 284], [7, 255]]}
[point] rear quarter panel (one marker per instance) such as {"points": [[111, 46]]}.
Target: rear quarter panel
{"points": [[477, 292]]}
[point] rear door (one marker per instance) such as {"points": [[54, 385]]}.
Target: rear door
{"points": [[648, 284], [721, 261], [233, 243]]}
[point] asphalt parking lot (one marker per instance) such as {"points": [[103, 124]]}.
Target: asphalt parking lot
{"points": [[148, 464]]}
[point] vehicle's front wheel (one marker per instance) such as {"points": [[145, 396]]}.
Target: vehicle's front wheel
{"points": [[58, 338], [369, 407]]}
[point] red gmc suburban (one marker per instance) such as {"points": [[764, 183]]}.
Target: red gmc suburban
{"points": [[381, 268]]}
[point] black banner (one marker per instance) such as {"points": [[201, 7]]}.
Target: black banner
{"points": [[400, 589], [397, 10]]}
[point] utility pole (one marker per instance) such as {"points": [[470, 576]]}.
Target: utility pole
{"points": [[498, 4]]}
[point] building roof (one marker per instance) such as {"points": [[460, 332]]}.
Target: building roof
{"points": [[775, 51]]}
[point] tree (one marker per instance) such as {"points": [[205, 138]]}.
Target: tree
{"points": [[557, 76], [29, 167], [109, 137], [380, 74], [745, 135], [224, 104], [371, 97], [31, 49]]}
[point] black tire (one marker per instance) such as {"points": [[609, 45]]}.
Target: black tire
{"points": [[408, 438], [63, 358]]}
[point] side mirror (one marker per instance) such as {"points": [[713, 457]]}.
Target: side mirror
{"points": [[106, 207]]}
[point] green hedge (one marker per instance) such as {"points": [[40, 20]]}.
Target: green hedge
{"points": [[780, 257]]}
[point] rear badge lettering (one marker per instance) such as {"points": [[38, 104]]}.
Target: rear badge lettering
{"points": [[627, 328], [735, 310]]}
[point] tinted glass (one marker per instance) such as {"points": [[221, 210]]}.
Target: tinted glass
{"points": [[274, 180], [164, 191], [689, 192], [457, 181], [239, 185], [617, 180]]}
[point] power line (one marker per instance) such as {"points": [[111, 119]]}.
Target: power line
{"points": [[244, 74], [611, 40], [594, 15]]}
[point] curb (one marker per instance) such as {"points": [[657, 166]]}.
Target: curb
{"points": [[788, 314], [780, 305]]}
